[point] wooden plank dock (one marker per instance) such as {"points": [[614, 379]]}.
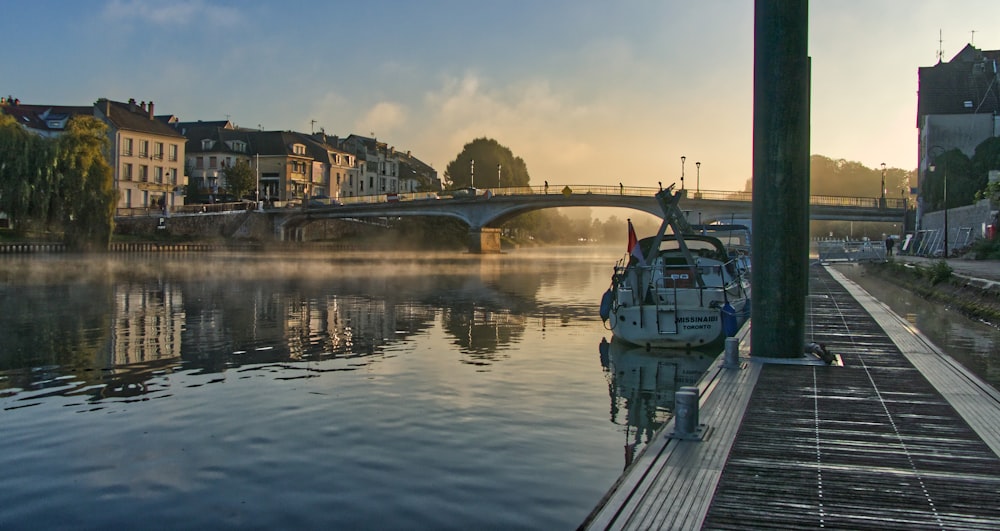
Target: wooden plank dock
{"points": [[898, 437]]}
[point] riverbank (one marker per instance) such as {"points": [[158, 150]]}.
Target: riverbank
{"points": [[971, 287]]}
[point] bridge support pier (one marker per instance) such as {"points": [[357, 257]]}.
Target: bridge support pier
{"points": [[484, 240]]}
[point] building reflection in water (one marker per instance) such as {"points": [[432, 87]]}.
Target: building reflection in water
{"points": [[108, 339], [642, 384]]}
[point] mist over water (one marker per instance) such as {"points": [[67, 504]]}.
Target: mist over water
{"points": [[318, 390]]}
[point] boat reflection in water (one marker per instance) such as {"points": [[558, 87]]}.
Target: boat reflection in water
{"points": [[642, 383]]}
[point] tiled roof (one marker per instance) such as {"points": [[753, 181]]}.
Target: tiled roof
{"points": [[47, 118], [131, 117], [968, 84]]}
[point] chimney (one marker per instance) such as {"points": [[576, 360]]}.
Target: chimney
{"points": [[142, 106], [150, 109], [131, 104]]}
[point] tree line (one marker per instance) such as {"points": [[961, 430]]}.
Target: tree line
{"points": [[62, 185]]}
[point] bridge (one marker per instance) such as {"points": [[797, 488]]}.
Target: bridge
{"points": [[484, 211]]}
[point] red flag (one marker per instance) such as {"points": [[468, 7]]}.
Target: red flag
{"points": [[633, 243]]}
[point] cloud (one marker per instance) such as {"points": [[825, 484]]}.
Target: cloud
{"points": [[179, 13], [384, 118]]}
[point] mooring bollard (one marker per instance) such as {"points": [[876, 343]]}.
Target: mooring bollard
{"points": [[731, 360], [686, 414]]}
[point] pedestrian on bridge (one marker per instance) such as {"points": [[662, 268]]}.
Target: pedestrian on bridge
{"points": [[546, 186], [621, 188], [889, 242]]}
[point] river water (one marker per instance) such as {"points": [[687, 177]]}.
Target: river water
{"points": [[318, 391], [974, 344]]}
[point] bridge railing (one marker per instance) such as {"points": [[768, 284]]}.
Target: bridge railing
{"points": [[556, 190]]}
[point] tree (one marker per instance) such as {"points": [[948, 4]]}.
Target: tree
{"points": [[240, 178], [26, 175], [86, 193], [486, 153]]}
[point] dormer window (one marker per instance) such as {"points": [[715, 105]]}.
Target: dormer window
{"points": [[207, 144], [238, 146], [967, 104], [299, 149]]}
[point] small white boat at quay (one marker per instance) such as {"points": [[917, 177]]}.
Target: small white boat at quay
{"points": [[682, 289]]}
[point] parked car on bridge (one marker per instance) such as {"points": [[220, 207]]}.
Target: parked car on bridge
{"points": [[323, 200]]}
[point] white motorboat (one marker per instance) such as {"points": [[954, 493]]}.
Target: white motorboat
{"points": [[680, 289]]}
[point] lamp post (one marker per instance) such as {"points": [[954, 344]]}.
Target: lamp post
{"points": [[498, 175], [933, 167], [472, 173], [697, 190], [881, 201], [683, 158]]}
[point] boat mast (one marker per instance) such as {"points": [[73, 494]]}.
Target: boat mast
{"points": [[674, 218]]}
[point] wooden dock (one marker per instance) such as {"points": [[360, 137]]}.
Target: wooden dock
{"points": [[898, 437]]}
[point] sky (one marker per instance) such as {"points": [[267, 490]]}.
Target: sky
{"points": [[586, 92]]}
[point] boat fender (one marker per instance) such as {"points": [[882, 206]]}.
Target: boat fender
{"points": [[729, 322], [606, 305]]}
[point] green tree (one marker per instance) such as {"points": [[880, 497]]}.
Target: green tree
{"points": [[487, 154], [86, 193], [27, 173], [240, 178]]}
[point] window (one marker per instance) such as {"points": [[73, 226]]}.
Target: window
{"points": [[338, 178], [299, 149], [228, 163], [212, 162], [172, 176], [239, 146], [144, 148], [158, 150], [173, 153], [158, 174], [206, 144], [143, 173], [127, 146], [127, 172], [199, 163]]}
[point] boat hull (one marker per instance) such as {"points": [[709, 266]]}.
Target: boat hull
{"points": [[655, 326]]}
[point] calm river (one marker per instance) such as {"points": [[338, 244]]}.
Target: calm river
{"points": [[973, 344], [318, 391]]}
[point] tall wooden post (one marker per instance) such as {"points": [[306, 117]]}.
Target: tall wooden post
{"points": [[780, 273]]}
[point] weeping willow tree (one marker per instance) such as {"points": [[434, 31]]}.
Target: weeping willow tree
{"points": [[86, 194], [60, 186], [27, 176]]}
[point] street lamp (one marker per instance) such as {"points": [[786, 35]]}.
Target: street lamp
{"points": [[881, 202], [683, 158], [932, 167], [472, 173], [697, 190], [498, 175]]}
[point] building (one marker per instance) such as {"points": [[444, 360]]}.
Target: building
{"points": [[958, 107], [379, 171], [146, 154], [335, 172], [416, 175], [48, 121], [212, 147]]}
